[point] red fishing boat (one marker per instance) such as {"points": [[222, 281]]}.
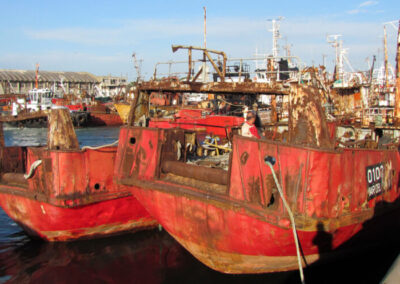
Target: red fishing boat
{"points": [[103, 115], [283, 203], [61, 192]]}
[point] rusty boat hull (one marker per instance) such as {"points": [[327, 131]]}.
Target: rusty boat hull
{"points": [[104, 119], [53, 223], [238, 224], [71, 194]]}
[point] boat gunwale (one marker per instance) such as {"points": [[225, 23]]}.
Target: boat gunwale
{"points": [[61, 201], [279, 143]]}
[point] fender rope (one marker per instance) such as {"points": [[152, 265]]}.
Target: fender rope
{"points": [[34, 165], [296, 240]]}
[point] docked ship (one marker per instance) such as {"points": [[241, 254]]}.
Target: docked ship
{"points": [[83, 113], [61, 192], [283, 202]]}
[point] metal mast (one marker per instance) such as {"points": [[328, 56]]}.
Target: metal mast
{"points": [[137, 66], [37, 76], [386, 57], [275, 35], [275, 47], [205, 46], [338, 45], [397, 95]]}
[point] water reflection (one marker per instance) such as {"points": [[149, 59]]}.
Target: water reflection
{"points": [[145, 257]]}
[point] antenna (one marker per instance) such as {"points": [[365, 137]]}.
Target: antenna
{"points": [[205, 27], [337, 44], [137, 64], [275, 34], [323, 59], [392, 23], [204, 67], [386, 56]]}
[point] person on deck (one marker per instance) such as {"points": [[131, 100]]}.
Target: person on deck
{"points": [[248, 127]]}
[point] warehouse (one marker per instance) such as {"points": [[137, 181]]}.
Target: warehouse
{"points": [[21, 81]]}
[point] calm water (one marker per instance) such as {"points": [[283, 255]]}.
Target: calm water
{"points": [[149, 256]]}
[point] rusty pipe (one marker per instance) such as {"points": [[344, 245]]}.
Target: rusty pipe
{"points": [[211, 175]]}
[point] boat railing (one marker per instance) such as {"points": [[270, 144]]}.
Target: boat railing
{"points": [[169, 69], [200, 70]]}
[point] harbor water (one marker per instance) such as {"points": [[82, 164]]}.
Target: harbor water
{"points": [[149, 256]]}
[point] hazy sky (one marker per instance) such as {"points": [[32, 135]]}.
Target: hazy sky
{"points": [[100, 36]]}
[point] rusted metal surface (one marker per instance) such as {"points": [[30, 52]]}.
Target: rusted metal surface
{"points": [[224, 261], [139, 108], [248, 223], [220, 70], [1, 135], [14, 179], [71, 194], [24, 116], [104, 119], [61, 135], [217, 176], [214, 87], [68, 192], [204, 185], [13, 159], [307, 123]]}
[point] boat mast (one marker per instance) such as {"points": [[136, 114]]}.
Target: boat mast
{"points": [[37, 76], [338, 45], [205, 46], [397, 95], [275, 36], [137, 64], [386, 57]]}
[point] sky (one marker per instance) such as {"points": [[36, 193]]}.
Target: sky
{"points": [[100, 36]]}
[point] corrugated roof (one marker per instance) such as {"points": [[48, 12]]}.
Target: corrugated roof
{"points": [[47, 76]]}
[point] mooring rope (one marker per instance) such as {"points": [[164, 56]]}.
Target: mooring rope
{"points": [[34, 165], [296, 240], [99, 147]]}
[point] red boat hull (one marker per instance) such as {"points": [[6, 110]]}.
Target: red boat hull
{"points": [[71, 194], [104, 119], [53, 223], [243, 226]]}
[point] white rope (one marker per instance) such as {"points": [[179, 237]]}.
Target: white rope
{"points": [[291, 220], [99, 147], [34, 165]]}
